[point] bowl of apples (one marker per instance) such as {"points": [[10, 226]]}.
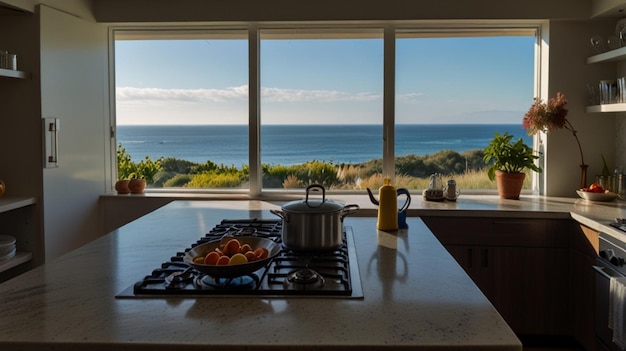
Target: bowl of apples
{"points": [[595, 192]]}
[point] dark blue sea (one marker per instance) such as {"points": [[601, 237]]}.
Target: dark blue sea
{"points": [[289, 145]]}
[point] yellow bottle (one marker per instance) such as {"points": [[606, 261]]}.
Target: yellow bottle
{"points": [[388, 208]]}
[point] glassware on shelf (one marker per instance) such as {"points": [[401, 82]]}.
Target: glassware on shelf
{"points": [[598, 43], [593, 94], [608, 91]]}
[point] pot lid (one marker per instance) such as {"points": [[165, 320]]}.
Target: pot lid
{"points": [[310, 205]]}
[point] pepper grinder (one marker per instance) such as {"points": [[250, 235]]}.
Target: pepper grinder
{"points": [[451, 192]]}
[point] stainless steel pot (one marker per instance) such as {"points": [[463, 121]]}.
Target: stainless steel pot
{"points": [[314, 224]]}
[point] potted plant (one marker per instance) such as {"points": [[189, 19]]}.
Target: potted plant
{"points": [[507, 160]]}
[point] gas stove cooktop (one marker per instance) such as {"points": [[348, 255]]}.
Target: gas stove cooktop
{"points": [[327, 274], [619, 223]]}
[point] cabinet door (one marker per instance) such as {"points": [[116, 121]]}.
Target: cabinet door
{"points": [[532, 291], [475, 260], [528, 286], [527, 269]]}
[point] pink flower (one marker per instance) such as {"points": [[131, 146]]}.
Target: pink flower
{"points": [[545, 117]]}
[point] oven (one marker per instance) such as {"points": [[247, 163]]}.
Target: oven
{"points": [[609, 264], [330, 274]]}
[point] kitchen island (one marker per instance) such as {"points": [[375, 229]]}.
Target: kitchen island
{"points": [[415, 296]]}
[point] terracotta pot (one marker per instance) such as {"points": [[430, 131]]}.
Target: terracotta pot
{"points": [[509, 184], [121, 186], [137, 185]]}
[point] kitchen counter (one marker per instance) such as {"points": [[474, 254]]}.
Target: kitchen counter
{"points": [[596, 215], [415, 296]]}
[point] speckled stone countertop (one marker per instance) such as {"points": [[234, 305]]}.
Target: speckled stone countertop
{"points": [[415, 296], [596, 215]]}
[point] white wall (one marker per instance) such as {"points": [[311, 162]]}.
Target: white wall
{"points": [[569, 73], [74, 79]]}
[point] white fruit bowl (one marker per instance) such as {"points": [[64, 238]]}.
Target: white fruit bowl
{"points": [[603, 197]]}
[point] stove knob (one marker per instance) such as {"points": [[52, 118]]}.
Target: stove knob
{"points": [[603, 254], [614, 261], [620, 261], [611, 254]]}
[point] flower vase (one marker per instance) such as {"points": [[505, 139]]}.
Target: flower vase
{"points": [[583, 175]]}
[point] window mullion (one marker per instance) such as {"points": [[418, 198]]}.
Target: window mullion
{"points": [[389, 82], [254, 111]]}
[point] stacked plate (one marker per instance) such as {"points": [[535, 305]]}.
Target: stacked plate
{"points": [[7, 247]]}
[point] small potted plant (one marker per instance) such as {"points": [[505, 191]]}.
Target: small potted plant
{"points": [[507, 160]]}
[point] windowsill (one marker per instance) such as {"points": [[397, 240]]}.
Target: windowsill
{"points": [[279, 197]]}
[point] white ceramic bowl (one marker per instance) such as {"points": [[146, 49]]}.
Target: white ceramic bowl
{"points": [[604, 197]]}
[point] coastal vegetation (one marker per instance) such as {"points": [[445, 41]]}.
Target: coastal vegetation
{"points": [[412, 172]]}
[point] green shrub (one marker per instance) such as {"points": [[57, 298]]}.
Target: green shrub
{"points": [[316, 172], [413, 172], [178, 181], [127, 169], [212, 180], [274, 176], [174, 165]]}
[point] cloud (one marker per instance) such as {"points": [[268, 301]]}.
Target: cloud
{"points": [[182, 95], [410, 97], [241, 93], [300, 95]]}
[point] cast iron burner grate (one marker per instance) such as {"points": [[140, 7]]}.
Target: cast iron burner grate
{"points": [[619, 223], [291, 273]]}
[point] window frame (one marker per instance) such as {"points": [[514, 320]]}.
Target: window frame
{"points": [[353, 29]]}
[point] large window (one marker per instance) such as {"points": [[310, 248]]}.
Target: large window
{"points": [[319, 108], [182, 107], [453, 92]]}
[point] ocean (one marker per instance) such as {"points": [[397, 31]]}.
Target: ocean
{"points": [[294, 144]]}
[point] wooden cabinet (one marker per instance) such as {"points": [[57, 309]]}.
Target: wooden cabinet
{"points": [[21, 161], [527, 285], [523, 266], [17, 220]]}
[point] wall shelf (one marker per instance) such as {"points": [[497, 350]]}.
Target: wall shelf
{"points": [[18, 259], [607, 108], [609, 56], [8, 203], [14, 74], [16, 214]]}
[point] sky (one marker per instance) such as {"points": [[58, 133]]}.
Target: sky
{"points": [[332, 81]]}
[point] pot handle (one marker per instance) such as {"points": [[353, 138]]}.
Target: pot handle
{"points": [[348, 210], [280, 214], [315, 186]]}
